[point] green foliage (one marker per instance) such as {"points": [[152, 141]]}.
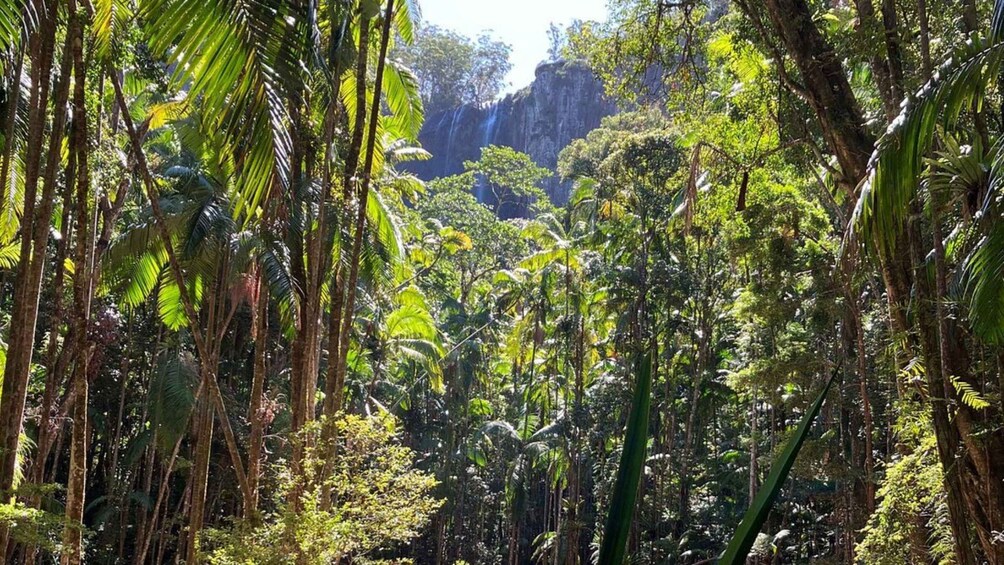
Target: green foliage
{"points": [[746, 535], [380, 500], [969, 396], [911, 490], [454, 70], [236, 62], [496, 340], [32, 526], [172, 397], [512, 177], [629, 471], [960, 84]]}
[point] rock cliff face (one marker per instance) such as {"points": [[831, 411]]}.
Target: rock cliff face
{"points": [[564, 102]]}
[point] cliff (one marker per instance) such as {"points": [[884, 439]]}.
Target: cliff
{"points": [[564, 102]]}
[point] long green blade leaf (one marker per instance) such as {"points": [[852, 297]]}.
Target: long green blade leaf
{"points": [[629, 473], [749, 528]]}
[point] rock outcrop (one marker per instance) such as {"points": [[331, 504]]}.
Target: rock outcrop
{"points": [[564, 103]]}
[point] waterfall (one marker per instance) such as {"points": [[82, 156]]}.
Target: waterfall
{"points": [[491, 125], [565, 102], [457, 115]]}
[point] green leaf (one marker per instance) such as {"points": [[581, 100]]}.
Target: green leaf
{"points": [[629, 472], [969, 395], [749, 528], [480, 407], [237, 59], [898, 161], [400, 86], [10, 255], [13, 23]]}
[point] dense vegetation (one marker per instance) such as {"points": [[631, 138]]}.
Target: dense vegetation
{"points": [[237, 330]]}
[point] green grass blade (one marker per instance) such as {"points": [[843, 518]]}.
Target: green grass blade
{"points": [[749, 528], [629, 473]]}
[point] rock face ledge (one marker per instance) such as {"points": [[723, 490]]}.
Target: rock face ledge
{"points": [[564, 103]]}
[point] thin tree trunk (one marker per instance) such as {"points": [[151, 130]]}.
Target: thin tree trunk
{"points": [[143, 545], [866, 406], [199, 480], [28, 277], [363, 197], [335, 381], [754, 446], [255, 409], [925, 39], [72, 553], [890, 24], [868, 29], [53, 376]]}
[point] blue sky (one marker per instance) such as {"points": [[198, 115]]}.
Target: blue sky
{"points": [[522, 24]]}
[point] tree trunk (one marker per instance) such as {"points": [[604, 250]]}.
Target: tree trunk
{"points": [[199, 480], [973, 481], [255, 409], [76, 488], [866, 405], [34, 233], [208, 350], [894, 52], [947, 435], [362, 196], [826, 88]]}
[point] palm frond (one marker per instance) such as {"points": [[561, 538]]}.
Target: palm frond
{"points": [[969, 395], [385, 228], [403, 98], [169, 302], [110, 17], [143, 277], [172, 397], [13, 186], [898, 160], [10, 254], [17, 17], [273, 260], [407, 13], [236, 58], [984, 273]]}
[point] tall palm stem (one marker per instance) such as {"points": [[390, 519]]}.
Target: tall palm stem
{"points": [[76, 488], [28, 277], [362, 197]]}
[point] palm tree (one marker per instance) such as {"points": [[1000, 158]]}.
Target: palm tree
{"points": [[223, 268], [905, 182], [38, 51]]}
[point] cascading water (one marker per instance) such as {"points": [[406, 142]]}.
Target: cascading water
{"points": [[458, 114], [490, 126], [564, 103], [489, 130]]}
